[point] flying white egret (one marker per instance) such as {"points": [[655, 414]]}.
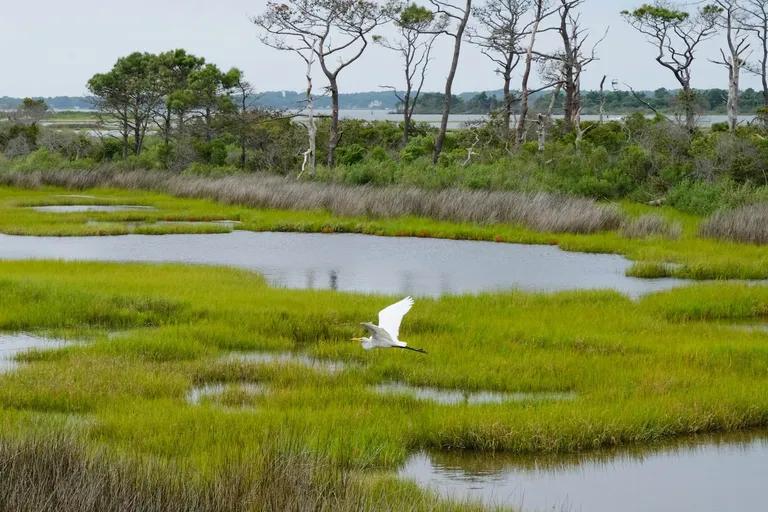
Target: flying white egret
{"points": [[385, 335]]}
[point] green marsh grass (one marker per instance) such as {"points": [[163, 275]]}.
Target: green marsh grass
{"points": [[639, 371]]}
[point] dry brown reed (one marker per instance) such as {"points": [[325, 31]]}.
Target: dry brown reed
{"points": [[651, 225], [538, 211], [747, 224]]}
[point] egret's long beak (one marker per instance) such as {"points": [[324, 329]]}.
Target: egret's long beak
{"points": [[357, 339]]}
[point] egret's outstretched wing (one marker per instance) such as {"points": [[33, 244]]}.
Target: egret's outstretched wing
{"points": [[391, 316], [379, 337]]}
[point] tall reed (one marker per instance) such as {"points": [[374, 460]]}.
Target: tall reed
{"points": [[540, 211]]}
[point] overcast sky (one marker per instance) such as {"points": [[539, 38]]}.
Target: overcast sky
{"points": [[52, 47]]}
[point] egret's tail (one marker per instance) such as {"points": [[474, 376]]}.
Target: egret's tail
{"points": [[419, 350]]}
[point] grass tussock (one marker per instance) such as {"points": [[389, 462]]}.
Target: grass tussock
{"points": [[651, 225], [539, 211], [748, 224]]}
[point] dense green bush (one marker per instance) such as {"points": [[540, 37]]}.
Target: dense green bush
{"points": [[643, 159]]}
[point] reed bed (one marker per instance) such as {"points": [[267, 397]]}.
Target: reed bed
{"points": [[539, 211], [748, 224], [651, 225], [56, 473]]}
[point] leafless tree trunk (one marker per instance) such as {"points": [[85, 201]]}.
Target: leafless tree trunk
{"points": [[540, 13], [498, 34], [730, 21], [310, 156], [602, 99], [757, 11], [335, 30], [461, 16], [413, 23], [545, 121]]}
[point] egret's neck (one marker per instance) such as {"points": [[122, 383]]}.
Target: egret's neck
{"points": [[367, 343]]}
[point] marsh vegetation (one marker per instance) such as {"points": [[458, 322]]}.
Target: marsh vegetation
{"points": [[534, 373]]}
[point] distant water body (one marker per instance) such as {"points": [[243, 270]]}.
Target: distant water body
{"points": [[456, 121]]}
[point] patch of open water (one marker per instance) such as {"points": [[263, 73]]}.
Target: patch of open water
{"points": [[702, 474], [358, 263], [282, 358], [453, 397], [95, 208], [199, 393], [12, 345]]}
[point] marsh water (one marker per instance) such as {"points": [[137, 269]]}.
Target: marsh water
{"points": [[13, 344], [89, 208], [358, 263], [454, 397], [703, 474]]}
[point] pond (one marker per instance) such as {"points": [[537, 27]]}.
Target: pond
{"points": [[12, 345], [705, 474], [358, 263]]}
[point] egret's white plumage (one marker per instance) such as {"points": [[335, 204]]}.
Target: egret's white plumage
{"points": [[387, 333]]}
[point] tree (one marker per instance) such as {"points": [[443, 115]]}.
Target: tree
{"points": [[175, 67], [243, 117], [131, 93], [757, 11], [498, 34], [30, 112], [732, 22], [461, 16], [276, 32], [571, 61], [676, 35], [209, 92], [540, 13], [418, 29], [336, 31]]}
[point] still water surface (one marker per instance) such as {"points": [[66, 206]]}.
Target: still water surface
{"points": [[706, 474], [358, 263]]}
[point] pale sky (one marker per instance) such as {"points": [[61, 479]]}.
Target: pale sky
{"points": [[52, 47]]}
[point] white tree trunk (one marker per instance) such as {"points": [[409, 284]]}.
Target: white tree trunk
{"points": [[733, 93], [310, 156]]}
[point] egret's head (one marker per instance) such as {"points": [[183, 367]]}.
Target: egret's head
{"points": [[360, 340]]}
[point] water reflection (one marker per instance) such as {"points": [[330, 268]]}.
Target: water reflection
{"points": [[452, 396], [703, 474], [324, 365], [359, 263], [198, 394]]}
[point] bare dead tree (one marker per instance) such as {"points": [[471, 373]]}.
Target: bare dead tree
{"points": [[498, 33], [573, 59], [602, 99], [418, 28], [277, 34], [757, 22], [676, 35], [336, 31], [540, 12], [545, 119], [460, 15], [732, 22]]}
